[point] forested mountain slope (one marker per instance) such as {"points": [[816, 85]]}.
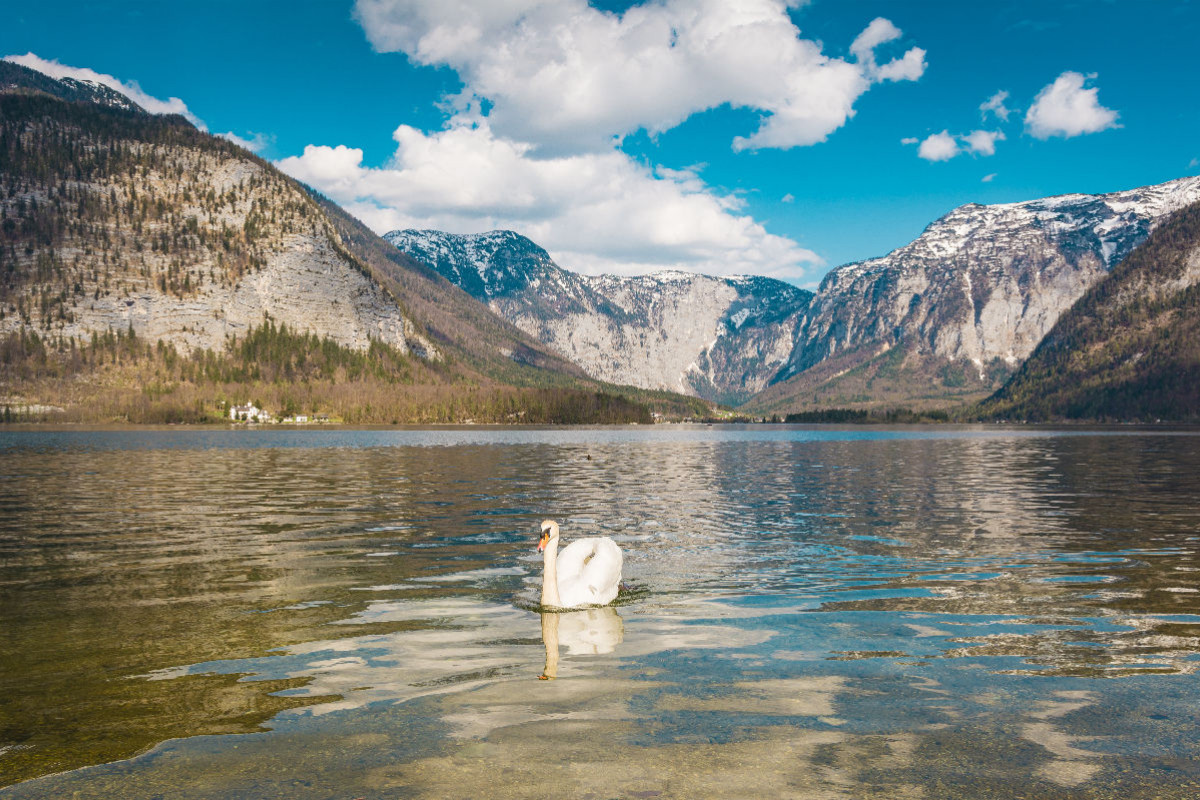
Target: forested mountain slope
{"points": [[947, 318], [139, 257], [1129, 349]]}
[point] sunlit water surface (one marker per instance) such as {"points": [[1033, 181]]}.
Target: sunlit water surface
{"points": [[808, 613]]}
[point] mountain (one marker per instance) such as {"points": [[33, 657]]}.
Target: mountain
{"points": [[143, 260], [942, 321], [948, 317], [721, 339], [115, 219], [16, 79], [1129, 349]]}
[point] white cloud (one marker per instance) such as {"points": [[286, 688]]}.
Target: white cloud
{"points": [[1066, 108], [910, 67], [788, 198], [983, 142], [255, 144], [1195, 162], [945, 145], [938, 147], [878, 32], [991, 176], [567, 77], [909, 140], [995, 105], [131, 90], [595, 212]]}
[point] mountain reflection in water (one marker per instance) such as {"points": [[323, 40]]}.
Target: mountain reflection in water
{"points": [[810, 612]]}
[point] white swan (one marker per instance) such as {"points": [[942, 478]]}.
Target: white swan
{"points": [[588, 572]]}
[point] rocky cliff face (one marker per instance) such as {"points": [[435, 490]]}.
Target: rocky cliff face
{"points": [[114, 219], [1129, 349], [718, 338], [950, 315]]}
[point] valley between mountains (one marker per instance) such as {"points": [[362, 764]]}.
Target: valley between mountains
{"points": [[150, 272]]}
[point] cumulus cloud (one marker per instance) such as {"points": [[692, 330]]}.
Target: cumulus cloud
{"points": [[1068, 108], [255, 144], [995, 105], [567, 77], [983, 142], [938, 147], [945, 145], [595, 212], [911, 66], [131, 89], [878, 32]]}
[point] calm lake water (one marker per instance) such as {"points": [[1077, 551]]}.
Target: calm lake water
{"points": [[809, 612]]}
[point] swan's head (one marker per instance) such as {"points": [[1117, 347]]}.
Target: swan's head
{"points": [[549, 534]]}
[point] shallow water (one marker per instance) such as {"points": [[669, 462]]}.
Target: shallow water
{"points": [[809, 612]]}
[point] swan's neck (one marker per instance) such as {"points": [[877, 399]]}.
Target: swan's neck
{"points": [[550, 574], [550, 639]]}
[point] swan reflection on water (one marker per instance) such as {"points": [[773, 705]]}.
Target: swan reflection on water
{"points": [[592, 631]]}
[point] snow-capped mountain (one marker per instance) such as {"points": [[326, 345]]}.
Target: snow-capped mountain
{"points": [[718, 338], [944, 319], [1127, 349], [956, 310], [485, 265], [14, 77]]}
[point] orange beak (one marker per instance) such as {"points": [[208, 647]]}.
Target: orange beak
{"points": [[542, 542]]}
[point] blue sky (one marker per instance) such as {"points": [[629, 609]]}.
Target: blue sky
{"points": [[711, 135]]}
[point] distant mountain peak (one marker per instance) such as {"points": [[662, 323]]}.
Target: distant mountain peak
{"points": [[486, 265], [721, 338], [15, 79], [950, 314]]}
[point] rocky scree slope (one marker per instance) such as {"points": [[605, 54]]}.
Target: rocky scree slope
{"points": [[949, 316], [721, 339]]}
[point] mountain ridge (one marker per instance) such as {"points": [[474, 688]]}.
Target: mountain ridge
{"points": [[948, 317], [15, 78], [149, 271], [941, 321], [1129, 349], [671, 330]]}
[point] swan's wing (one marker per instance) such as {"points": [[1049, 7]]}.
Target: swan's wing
{"points": [[573, 557], [589, 572], [599, 576], [604, 570]]}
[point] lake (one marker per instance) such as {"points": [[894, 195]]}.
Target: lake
{"points": [[811, 612]]}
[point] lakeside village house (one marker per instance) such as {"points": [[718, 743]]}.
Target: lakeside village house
{"points": [[248, 413], [252, 413]]}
